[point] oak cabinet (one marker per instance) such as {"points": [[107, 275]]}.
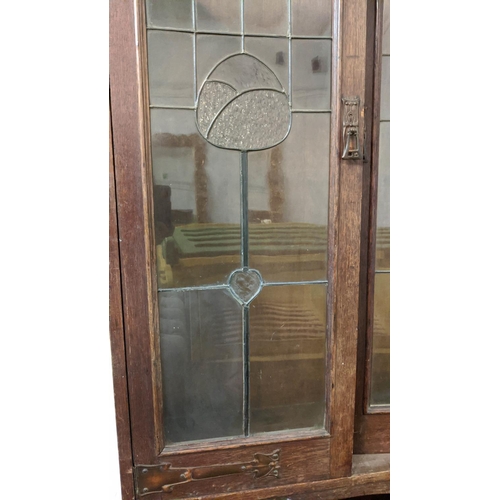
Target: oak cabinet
{"points": [[243, 168]]}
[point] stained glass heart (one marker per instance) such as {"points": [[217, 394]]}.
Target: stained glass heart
{"points": [[245, 284]]}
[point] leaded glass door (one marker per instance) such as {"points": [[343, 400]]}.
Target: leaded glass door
{"points": [[238, 240]]}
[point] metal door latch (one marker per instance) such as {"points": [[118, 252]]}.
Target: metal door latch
{"points": [[163, 477], [350, 128]]}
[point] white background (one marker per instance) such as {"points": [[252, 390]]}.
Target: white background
{"points": [[57, 427]]}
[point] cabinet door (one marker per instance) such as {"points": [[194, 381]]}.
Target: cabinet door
{"points": [[238, 138]]}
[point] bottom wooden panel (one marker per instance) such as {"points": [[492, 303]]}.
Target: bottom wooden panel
{"points": [[372, 434], [299, 461]]}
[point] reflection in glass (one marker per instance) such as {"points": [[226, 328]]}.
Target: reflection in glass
{"points": [[287, 358], [288, 203], [169, 14], [171, 80], [218, 15], [380, 376], [201, 355], [196, 197], [311, 74], [265, 17]]}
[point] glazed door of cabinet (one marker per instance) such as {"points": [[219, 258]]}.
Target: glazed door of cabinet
{"points": [[238, 139]]}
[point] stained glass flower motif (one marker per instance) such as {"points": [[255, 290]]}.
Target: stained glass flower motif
{"points": [[242, 106]]}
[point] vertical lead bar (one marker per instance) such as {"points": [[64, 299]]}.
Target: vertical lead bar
{"points": [[246, 374], [290, 53], [242, 25], [194, 52], [244, 265], [244, 209]]}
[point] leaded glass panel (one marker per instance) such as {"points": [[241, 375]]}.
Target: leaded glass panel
{"points": [[240, 127]]}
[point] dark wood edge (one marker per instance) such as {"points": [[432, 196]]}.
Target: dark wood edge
{"points": [[372, 425], [350, 22], [365, 223], [370, 475], [135, 225], [118, 342]]}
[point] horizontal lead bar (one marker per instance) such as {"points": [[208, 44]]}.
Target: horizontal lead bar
{"points": [[193, 288], [382, 271], [311, 110], [285, 283], [161, 106], [232, 33]]}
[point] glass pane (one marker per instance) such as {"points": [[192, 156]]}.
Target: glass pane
{"points": [[218, 15], [265, 17], [383, 201], [385, 88], [288, 203], [170, 14], [386, 38], [201, 354], [197, 203], [171, 75], [380, 376], [273, 52], [211, 50], [380, 373], [311, 74], [312, 17], [287, 358], [240, 191]]}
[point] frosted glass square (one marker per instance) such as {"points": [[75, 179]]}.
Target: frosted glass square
{"points": [[171, 68], [311, 17], [311, 74], [170, 14], [266, 17], [221, 16]]}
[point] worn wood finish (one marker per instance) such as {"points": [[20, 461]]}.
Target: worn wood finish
{"points": [[135, 228], [372, 433], [118, 343], [347, 248], [300, 461], [370, 475]]}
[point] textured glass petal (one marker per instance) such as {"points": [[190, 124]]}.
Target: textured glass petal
{"points": [[258, 119], [273, 52], [245, 72], [213, 97]]}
